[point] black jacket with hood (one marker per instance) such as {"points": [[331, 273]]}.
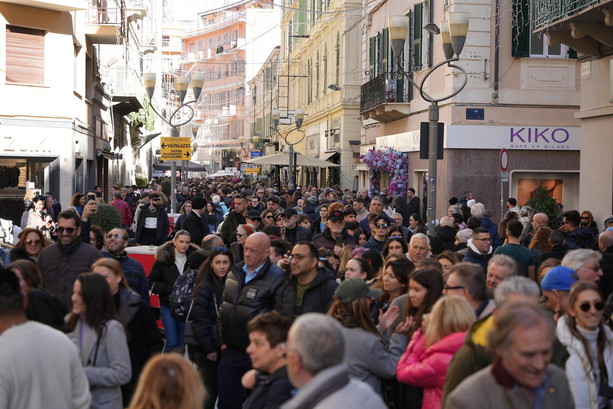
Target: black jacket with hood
{"points": [[317, 298]]}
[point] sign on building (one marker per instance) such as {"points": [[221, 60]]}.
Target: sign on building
{"points": [[176, 148]]}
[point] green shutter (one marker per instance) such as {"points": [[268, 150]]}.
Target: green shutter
{"points": [[372, 56], [385, 51], [520, 35], [417, 35]]}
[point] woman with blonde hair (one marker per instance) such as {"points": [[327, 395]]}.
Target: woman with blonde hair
{"points": [[426, 360], [169, 382]]}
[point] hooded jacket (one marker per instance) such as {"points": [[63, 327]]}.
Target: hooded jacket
{"points": [[427, 367], [165, 272], [474, 256], [134, 272], [488, 224], [317, 298], [325, 239], [447, 235], [581, 238]]}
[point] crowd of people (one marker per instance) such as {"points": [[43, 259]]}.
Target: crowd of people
{"points": [[305, 298]]}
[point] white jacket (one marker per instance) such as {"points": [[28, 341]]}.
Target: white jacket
{"points": [[580, 378]]}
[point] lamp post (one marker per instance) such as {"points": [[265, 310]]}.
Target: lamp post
{"points": [[181, 84], [292, 159], [454, 34]]}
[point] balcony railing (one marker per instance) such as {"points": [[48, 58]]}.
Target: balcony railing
{"points": [[103, 15], [386, 88], [547, 12]]}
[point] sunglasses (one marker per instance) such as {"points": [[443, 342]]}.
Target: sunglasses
{"points": [[598, 306], [585, 218], [453, 287], [114, 236], [381, 226], [269, 217], [36, 241], [218, 248], [68, 230]]}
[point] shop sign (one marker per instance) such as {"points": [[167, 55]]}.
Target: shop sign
{"points": [[176, 148], [513, 137]]}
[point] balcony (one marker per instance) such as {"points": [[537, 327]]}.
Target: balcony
{"points": [[385, 98], [56, 5], [102, 22], [126, 88]]}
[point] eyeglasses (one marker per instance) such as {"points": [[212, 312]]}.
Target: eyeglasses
{"points": [[68, 230], [381, 226], [485, 239], [36, 242], [298, 257], [453, 287], [585, 306], [114, 236], [597, 267], [218, 248]]}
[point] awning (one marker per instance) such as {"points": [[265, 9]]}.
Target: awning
{"points": [[282, 159], [126, 104], [328, 155], [191, 166]]}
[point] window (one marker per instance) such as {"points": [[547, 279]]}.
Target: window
{"points": [[325, 70], [192, 48], [309, 81], [337, 50], [165, 41], [210, 43], [25, 55], [540, 48], [200, 45]]}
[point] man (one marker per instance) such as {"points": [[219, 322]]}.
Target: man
{"points": [[558, 250], [468, 195], [446, 232], [514, 249], [467, 280], [479, 248], [56, 206], [406, 233], [273, 204], [293, 232], [364, 195], [419, 248], [556, 287], [256, 205], [279, 250], [268, 353], [123, 208], [254, 218], [538, 220], [116, 243], [350, 214], [315, 352], [207, 245], [62, 262], [358, 206], [586, 263], [499, 268], [193, 222], [474, 354], [379, 235], [309, 288], [334, 236], [98, 191], [234, 218], [512, 205], [152, 224], [521, 376], [605, 245], [577, 237], [41, 367], [376, 208], [251, 288], [412, 202]]}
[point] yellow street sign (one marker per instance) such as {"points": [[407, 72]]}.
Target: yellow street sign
{"points": [[252, 170], [176, 148]]}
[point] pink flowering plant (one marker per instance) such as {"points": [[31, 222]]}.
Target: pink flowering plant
{"points": [[389, 161]]}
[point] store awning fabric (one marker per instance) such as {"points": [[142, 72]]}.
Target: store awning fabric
{"points": [[282, 159]]}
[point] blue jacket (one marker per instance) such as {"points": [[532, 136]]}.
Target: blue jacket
{"points": [[488, 224], [134, 271]]}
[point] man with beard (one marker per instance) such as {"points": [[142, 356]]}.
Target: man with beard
{"points": [[235, 218], [152, 224], [335, 235], [62, 262], [293, 232]]}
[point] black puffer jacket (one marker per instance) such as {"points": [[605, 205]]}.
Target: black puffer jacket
{"points": [[164, 272], [204, 314], [581, 238], [242, 301], [317, 298], [326, 240], [298, 234]]}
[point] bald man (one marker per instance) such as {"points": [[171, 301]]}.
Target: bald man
{"points": [[605, 245], [251, 288], [538, 220]]}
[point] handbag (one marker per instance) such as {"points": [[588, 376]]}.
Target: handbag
{"points": [[189, 337]]}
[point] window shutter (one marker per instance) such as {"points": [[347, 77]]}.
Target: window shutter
{"points": [[417, 35], [385, 51], [520, 35], [25, 55], [372, 57]]}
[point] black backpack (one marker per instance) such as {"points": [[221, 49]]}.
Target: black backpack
{"points": [[181, 295]]}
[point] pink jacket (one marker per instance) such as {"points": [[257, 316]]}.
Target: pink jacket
{"points": [[428, 367]]}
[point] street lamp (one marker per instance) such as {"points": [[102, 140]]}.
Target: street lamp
{"points": [[181, 84], [454, 33], [276, 115]]}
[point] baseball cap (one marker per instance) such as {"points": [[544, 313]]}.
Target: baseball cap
{"points": [[253, 215], [289, 212], [354, 289], [337, 215], [559, 278]]}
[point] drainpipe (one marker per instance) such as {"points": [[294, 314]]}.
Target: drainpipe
{"points": [[496, 51]]}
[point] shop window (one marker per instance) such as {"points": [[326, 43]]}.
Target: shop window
{"points": [[525, 188], [25, 55]]}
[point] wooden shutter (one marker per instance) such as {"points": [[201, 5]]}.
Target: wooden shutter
{"points": [[372, 57], [25, 55], [385, 51], [417, 35], [520, 32]]}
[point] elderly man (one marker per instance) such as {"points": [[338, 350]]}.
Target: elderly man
{"points": [[335, 235], [251, 288], [293, 232], [446, 232], [467, 280], [315, 351], [521, 376], [538, 220], [499, 268], [419, 248], [556, 287], [586, 264]]}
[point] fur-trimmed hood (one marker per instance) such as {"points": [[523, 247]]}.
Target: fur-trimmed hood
{"points": [[166, 252]]}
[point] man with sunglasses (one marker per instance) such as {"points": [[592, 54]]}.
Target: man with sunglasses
{"points": [[335, 235], [577, 237], [379, 234], [152, 224], [293, 232], [116, 242], [479, 248], [62, 262]]}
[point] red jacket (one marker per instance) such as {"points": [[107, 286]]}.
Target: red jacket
{"points": [[124, 211], [427, 368]]}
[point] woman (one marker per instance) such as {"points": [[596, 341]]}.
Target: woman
{"points": [[304, 221], [268, 217], [344, 259], [367, 355], [589, 343], [207, 300], [171, 261], [242, 232], [319, 223], [42, 305], [427, 357], [39, 218], [213, 216], [31, 242], [395, 245], [144, 339], [100, 339], [358, 267], [168, 381], [447, 259], [395, 279], [278, 221], [416, 224], [502, 227], [540, 242], [186, 208], [587, 220], [362, 236], [96, 237], [77, 203]]}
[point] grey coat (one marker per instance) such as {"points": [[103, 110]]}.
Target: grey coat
{"points": [[110, 368]]}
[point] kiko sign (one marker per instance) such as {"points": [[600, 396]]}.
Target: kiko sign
{"points": [[512, 137]]}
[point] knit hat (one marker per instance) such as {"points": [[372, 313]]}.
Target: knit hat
{"points": [[248, 228], [354, 289], [559, 278]]}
